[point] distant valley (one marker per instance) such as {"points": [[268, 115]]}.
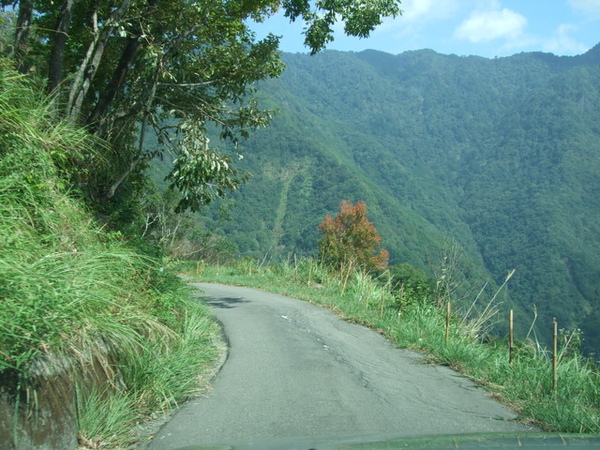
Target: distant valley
{"points": [[496, 161]]}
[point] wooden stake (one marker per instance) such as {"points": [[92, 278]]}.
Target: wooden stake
{"points": [[295, 267], [347, 275], [447, 322], [511, 331], [555, 354]]}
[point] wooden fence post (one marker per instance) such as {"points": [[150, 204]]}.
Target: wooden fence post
{"points": [[295, 268], [447, 322], [511, 341], [555, 354]]}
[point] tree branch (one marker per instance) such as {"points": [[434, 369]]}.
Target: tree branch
{"points": [[22, 33], [57, 54], [89, 66]]}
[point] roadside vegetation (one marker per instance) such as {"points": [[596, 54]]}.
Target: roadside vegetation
{"points": [[413, 315], [75, 294]]}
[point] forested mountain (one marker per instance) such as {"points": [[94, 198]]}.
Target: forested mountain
{"points": [[501, 156]]}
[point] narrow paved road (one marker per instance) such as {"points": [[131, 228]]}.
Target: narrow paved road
{"points": [[296, 372]]}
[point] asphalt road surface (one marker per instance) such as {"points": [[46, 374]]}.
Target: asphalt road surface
{"points": [[296, 372]]}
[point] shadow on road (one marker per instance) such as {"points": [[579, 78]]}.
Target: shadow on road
{"points": [[225, 302]]}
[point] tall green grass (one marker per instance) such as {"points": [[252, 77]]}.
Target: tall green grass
{"points": [[104, 419], [70, 290], [526, 384]]}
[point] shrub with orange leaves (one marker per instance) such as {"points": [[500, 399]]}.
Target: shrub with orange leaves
{"points": [[350, 240]]}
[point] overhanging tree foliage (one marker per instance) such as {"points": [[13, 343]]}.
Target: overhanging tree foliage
{"points": [[119, 67]]}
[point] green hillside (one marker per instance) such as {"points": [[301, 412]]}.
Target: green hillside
{"points": [[499, 155]]}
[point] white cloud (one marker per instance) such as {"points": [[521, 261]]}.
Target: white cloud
{"points": [[425, 10], [588, 7], [415, 9], [563, 44], [482, 26], [419, 24]]}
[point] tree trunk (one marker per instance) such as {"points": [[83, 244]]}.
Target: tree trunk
{"points": [[116, 83], [57, 54], [110, 193], [22, 33], [89, 67], [141, 155]]}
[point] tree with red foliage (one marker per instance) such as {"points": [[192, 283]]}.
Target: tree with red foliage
{"points": [[350, 240]]}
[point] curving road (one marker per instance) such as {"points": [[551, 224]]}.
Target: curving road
{"points": [[296, 373]]}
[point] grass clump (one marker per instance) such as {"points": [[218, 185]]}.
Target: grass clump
{"points": [[73, 291], [103, 418], [419, 323]]}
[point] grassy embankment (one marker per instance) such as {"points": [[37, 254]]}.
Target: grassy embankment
{"points": [[69, 290], [526, 385]]}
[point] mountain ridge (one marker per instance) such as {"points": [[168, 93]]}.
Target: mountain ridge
{"points": [[498, 155]]}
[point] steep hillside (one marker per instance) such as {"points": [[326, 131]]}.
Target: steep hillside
{"points": [[95, 336], [501, 156]]}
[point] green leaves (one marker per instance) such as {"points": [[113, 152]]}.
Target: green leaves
{"points": [[200, 173], [116, 65], [359, 18]]}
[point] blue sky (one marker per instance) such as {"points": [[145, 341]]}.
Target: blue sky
{"points": [[486, 28]]}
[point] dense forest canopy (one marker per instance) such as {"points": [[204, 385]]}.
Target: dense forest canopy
{"points": [[501, 156], [122, 67]]}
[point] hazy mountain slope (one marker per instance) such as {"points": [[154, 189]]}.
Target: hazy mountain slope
{"points": [[501, 155]]}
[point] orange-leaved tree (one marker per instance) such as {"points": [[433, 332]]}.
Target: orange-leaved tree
{"points": [[350, 241]]}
